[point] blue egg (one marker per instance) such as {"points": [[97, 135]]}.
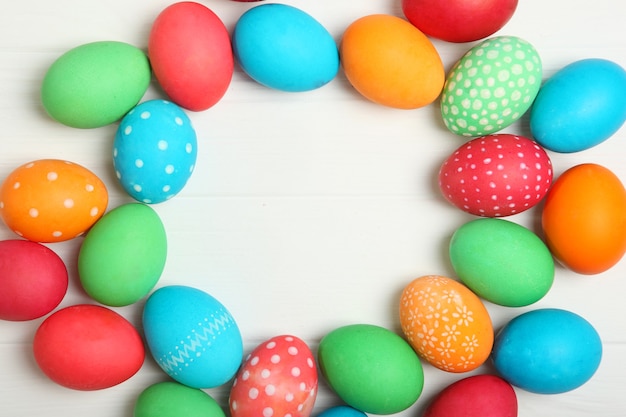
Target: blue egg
{"points": [[580, 106], [192, 336], [341, 411], [547, 351], [154, 151], [284, 48]]}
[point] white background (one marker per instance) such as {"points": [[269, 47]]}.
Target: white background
{"points": [[307, 211]]}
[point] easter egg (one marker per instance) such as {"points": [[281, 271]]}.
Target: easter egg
{"points": [[285, 48], [584, 219], [191, 55], [459, 20], [547, 351], [341, 411], [123, 255], [475, 396], [33, 280], [496, 175], [51, 200], [278, 378], [88, 347], [154, 151], [446, 323], [171, 399], [491, 86], [391, 62], [95, 84], [356, 359], [502, 262], [192, 336], [580, 106]]}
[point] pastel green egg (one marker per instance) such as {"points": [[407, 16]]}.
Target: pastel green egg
{"points": [[95, 84], [371, 368], [171, 399], [123, 255], [502, 261], [491, 86]]}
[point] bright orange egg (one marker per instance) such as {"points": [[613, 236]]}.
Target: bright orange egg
{"points": [[584, 219], [391, 62], [446, 323]]}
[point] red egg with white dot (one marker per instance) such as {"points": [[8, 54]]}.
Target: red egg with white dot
{"points": [[278, 378], [52, 200], [496, 175]]}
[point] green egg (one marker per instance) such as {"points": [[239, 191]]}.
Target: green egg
{"points": [[491, 86], [171, 399], [95, 84], [502, 261], [123, 255], [371, 368]]}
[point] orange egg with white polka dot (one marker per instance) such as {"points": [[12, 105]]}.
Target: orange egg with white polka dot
{"points": [[446, 323], [51, 200]]}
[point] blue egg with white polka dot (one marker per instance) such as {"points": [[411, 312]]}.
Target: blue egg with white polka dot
{"points": [[154, 151]]}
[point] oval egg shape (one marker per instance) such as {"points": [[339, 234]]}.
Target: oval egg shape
{"points": [[390, 62], [33, 280], [51, 200], [123, 255], [354, 359], [341, 411], [446, 323], [154, 151], [584, 219], [502, 262], [278, 378], [169, 399], [285, 48], [547, 351], [95, 84], [580, 106], [192, 336], [88, 347], [491, 86], [191, 55]]}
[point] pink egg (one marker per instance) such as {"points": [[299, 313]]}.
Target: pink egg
{"points": [[496, 175]]}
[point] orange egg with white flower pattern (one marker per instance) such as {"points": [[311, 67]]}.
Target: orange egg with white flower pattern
{"points": [[446, 323]]}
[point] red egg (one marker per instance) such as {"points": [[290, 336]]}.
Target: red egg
{"points": [[496, 175], [88, 347], [279, 378]]}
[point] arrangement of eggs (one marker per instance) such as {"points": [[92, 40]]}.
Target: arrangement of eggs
{"points": [[196, 341]]}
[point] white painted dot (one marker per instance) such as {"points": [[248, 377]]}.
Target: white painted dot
{"points": [[33, 212], [270, 345], [114, 152], [162, 145], [292, 350], [295, 371], [52, 176], [289, 397], [275, 358], [16, 185], [94, 211], [245, 375], [270, 389], [57, 233], [89, 188], [310, 362], [178, 121], [253, 393], [254, 361], [128, 130], [265, 373], [145, 115], [68, 203], [169, 169], [302, 386], [234, 405], [137, 187], [188, 148], [166, 188], [138, 163], [268, 412]]}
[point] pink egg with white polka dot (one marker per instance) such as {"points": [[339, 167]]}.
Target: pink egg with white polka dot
{"points": [[278, 379], [496, 175]]}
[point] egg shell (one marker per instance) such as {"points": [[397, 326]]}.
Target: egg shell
{"points": [[356, 359], [191, 55], [285, 48], [33, 280], [341, 411], [496, 175], [446, 323], [88, 347], [475, 396], [491, 86], [95, 84], [123, 255], [278, 378], [391, 62], [547, 351], [584, 219], [171, 399], [154, 151], [51, 200], [502, 262], [192, 336], [580, 106]]}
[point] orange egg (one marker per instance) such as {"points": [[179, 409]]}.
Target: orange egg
{"points": [[51, 200], [391, 62], [446, 323], [584, 219]]}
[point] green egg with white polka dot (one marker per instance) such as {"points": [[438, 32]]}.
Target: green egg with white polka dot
{"points": [[491, 86]]}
